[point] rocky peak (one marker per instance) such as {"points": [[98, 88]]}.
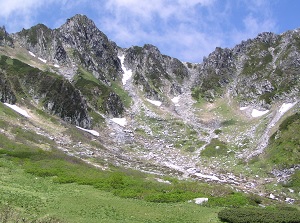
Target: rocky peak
{"points": [[156, 74], [5, 39], [220, 58], [44, 43], [91, 48]]}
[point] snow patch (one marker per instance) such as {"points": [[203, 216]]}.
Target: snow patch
{"points": [[56, 65], [44, 61], [31, 53], [243, 108], [157, 103], [285, 107], [207, 176], [93, 132], [200, 200], [256, 113], [163, 181], [272, 196], [120, 121], [18, 109], [175, 100], [173, 166], [127, 72]]}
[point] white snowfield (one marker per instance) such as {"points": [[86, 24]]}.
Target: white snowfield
{"points": [[93, 132], [285, 107], [127, 73], [31, 53], [243, 108], [200, 200], [157, 103], [56, 65], [175, 100], [208, 176], [120, 121], [18, 109], [257, 113], [41, 59]]}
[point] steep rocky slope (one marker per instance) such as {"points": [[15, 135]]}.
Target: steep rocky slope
{"points": [[210, 121], [260, 71]]}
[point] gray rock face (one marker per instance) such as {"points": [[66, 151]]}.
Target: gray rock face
{"points": [[258, 71], [156, 74], [43, 42], [57, 95], [5, 39], [114, 105], [91, 48], [79, 42], [6, 93], [255, 72]]}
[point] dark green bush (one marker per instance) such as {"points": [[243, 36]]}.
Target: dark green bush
{"points": [[257, 215], [215, 148]]}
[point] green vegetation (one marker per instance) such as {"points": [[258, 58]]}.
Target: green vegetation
{"points": [[210, 88], [98, 93], [295, 181], [92, 89], [284, 147], [227, 123], [68, 169], [215, 148], [126, 99], [34, 32], [39, 199], [256, 215]]}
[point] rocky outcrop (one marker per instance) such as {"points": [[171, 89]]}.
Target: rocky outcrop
{"points": [[43, 42], [56, 94], [257, 72], [6, 92], [113, 105], [91, 48], [5, 39], [215, 73], [78, 42], [254, 72], [155, 74]]}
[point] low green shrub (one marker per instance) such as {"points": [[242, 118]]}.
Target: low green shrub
{"points": [[215, 148], [284, 146], [257, 215]]}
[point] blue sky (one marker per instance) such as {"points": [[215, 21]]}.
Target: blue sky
{"points": [[185, 29]]}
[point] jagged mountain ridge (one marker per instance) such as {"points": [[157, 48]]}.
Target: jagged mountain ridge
{"points": [[261, 73]]}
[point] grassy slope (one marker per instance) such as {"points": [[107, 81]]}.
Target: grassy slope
{"points": [[37, 197], [32, 194]]}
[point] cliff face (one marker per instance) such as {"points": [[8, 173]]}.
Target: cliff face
{"points": [[20, 81], [78, 41], [5, 39], [78, 45], [156, 74], [258, 71]]}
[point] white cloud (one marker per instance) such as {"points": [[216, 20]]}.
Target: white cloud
{"points": [[19, 14], [258, 19], [186, 29], [166, 24], [18, 6]]}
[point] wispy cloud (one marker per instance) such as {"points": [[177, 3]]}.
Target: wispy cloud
{"points": [[258, 18], [186, 29], [170, 25]]}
